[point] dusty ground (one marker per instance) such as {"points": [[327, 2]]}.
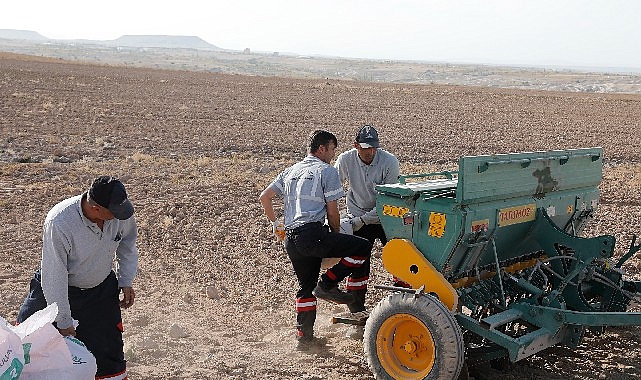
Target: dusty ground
{"points": [[195, 150]]}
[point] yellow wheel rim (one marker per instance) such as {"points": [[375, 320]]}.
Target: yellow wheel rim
{"points": [[405, 347]]}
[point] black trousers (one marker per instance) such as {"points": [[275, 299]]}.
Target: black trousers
{"points": [[306, 247], [99, 320], [372, 232]]}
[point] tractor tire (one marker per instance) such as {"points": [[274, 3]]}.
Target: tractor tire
{"points": [[409, 337]]}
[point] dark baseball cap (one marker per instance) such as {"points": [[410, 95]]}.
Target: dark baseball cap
{"points": [[110, 193], [367, 137]]}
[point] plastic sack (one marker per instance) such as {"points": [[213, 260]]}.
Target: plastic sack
{"points": [[47, 354], [328, 262], [11, 352], [84, 363]]}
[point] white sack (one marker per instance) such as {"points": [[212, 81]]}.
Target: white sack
{"points": [[50, 356], [11, 352], [84, 363]]}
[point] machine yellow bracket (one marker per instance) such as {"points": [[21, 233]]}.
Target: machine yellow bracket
{"points": [[402, 259]]}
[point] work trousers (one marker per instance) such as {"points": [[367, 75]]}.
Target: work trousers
{"points": [[306, 246], [97, 311], [372, 232]]}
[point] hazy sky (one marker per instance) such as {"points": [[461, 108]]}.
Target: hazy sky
{"points": [[598, 33]]}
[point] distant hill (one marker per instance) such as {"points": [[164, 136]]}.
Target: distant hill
{"points": [[13, 34], [135, 41], [193, 53], [160, 41]]}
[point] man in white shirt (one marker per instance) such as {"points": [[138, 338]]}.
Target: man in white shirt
{"points": [[310, 190], [81, 237]]}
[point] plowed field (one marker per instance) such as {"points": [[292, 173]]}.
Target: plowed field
{"points": [[195, 149]]}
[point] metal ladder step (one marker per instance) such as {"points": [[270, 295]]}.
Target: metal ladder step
{"points": [[495, 320], [536, 341]]}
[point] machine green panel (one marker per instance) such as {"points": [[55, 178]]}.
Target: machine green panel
{"points": [[497, 177], [493, 196], [402, 207], [399, 224], [437, 228]]}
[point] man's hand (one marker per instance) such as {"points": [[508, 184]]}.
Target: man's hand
{"points": [[128, 297], [68, 331], [357, 223]]}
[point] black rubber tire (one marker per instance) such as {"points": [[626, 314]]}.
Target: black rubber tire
{"points": [[448, 345]]}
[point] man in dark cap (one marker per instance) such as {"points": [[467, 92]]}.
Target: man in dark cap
{"points": [[364, 167], [82, 235]]}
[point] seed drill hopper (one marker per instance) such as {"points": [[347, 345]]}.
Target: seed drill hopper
{"points": [[495, 264]]}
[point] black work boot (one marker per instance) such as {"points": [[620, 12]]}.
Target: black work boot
{"points": [[359, 300], [303, 341], [332, 294], [307, 341], [357, 308]]}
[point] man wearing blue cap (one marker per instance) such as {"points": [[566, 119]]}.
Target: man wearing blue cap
{"points": [[82, 235], [364, 167]]}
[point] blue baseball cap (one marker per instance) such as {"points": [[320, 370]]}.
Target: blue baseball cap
{"points": [[367, 137], [110, 193]]}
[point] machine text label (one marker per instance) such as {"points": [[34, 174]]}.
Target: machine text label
{"points": [[517, 214], [395, 211]]}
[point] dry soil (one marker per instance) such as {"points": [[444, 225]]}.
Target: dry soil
{"points": [[215, 293]]}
